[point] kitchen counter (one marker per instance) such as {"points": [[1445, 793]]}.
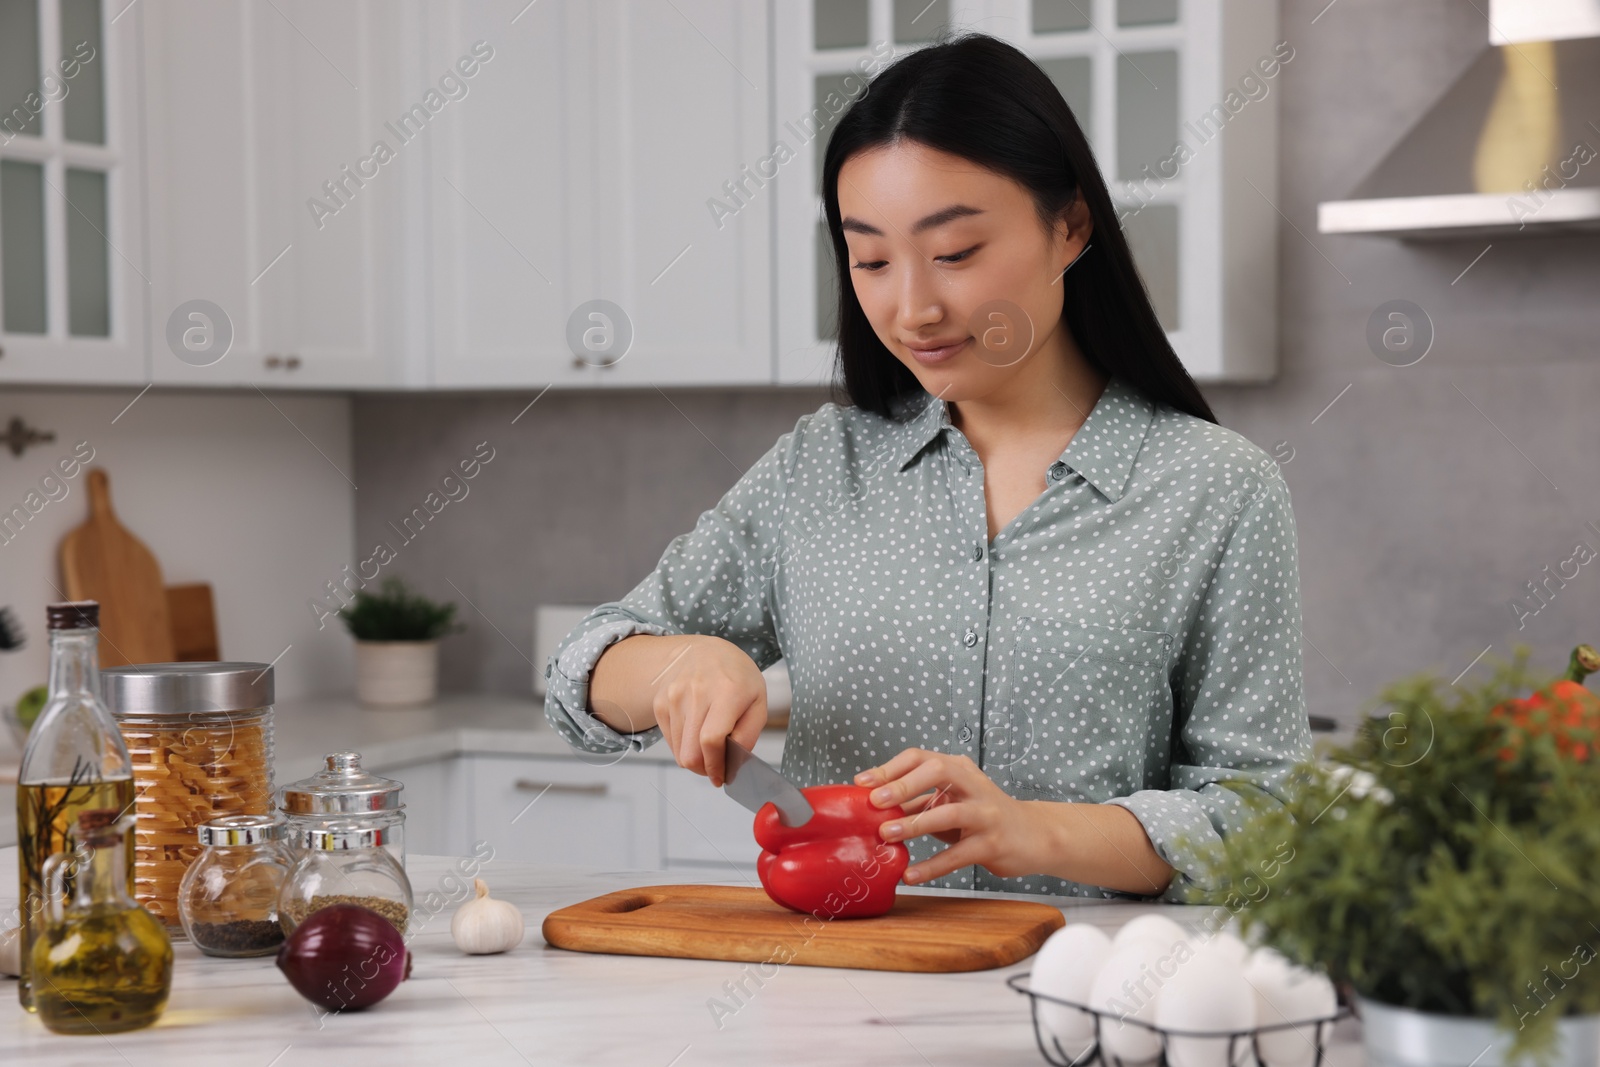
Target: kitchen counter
{"points": [[544, 1005], [457, 724]]}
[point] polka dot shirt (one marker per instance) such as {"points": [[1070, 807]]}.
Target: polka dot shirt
{"points": [[1132, 637]]}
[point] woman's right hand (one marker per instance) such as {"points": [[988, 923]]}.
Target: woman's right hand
{"points": [[709, 690]]}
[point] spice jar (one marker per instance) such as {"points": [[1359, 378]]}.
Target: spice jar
{"points": [[200, 736], [228, 900], [345, 864], [343, 794]]}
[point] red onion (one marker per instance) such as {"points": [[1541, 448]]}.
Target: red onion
{"points": [[345, 957]]}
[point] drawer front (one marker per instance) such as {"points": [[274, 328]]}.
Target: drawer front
{"points": [[561, 811], [704, 825]]}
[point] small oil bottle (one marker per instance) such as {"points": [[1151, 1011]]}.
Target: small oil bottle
{"points": [[101, 964]]}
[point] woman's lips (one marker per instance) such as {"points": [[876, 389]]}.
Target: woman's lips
{"points": [[932, 356]]}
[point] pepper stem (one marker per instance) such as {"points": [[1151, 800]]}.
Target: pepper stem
{"points": [[1584, 662]]}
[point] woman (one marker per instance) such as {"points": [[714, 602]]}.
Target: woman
{"points": [[1024, 585]]}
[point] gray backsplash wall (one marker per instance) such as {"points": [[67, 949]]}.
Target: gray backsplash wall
{"points": [[1426, 497]]}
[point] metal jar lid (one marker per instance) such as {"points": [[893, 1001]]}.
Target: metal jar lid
{"points": [[241, 830], [186, 688], [343, 788], [343, 838]]}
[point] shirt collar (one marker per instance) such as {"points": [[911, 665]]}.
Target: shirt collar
{"points": [[1103, 450]]}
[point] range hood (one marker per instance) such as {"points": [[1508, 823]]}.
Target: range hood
{"points": [[1511, 149]]}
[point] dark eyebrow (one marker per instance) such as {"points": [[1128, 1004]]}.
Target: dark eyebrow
{"points": [[938, 218]]}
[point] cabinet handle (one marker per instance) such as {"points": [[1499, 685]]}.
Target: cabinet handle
{"points": [[272, 362], [292, 362], [528, 785]]}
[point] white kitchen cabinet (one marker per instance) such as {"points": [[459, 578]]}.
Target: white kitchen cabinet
{"points": [[269, 198], [566, 811], [1143, 77], [72, 236], [703, 827], [584, 166]]}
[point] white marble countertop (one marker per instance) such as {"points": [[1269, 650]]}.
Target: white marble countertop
{"points": [[540, 1005]]}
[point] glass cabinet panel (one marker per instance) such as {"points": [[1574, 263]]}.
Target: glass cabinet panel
{"points": [[1147, 109], [845, 87], [22, 246], [1146, 12], [20, 98], [1061, 16], [84, 108], [88, 263], [839, 24], [827, 287], [1152, 234], [916, 21], [1074, 77]]}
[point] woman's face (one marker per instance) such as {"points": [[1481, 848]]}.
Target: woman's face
{"points": [[953, 268]]}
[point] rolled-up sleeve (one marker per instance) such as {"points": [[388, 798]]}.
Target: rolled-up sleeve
{"points": [[716, 580], [1240, 721]]}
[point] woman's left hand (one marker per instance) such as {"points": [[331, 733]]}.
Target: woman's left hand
{"points": [[951, 798]]}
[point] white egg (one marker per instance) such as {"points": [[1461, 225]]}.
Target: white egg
{"points": [[1285, 993], [1150, 927], [1227, 944], [1126, 989], [1208, 994], [1065, 968]]}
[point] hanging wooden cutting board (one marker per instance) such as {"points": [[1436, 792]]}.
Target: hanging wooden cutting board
{"points": [[712, 922], [101, 560]]}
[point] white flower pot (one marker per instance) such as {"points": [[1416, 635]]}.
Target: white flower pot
{"points": [[397, 673], [1400, 1037]]}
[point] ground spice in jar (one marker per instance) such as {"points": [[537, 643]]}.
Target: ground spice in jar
{"points": [[296, 911], [242, 935]]}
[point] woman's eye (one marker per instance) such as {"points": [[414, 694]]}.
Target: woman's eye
{"points": [[875, 265], [959, 256]]}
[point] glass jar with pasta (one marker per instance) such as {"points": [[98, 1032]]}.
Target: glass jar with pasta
{"points": [[200, 735]]}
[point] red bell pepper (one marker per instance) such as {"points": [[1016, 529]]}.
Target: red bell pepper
{"points": [[835, 866], [1558, 710]]}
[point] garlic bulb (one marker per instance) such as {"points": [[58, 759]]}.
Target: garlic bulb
{"points": [[11, 951], [484, 925]]}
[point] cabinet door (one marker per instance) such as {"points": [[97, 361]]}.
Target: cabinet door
{"points": [[704, 826], [600, 157], [566, 811], [72, 251], [499, 194], [271, 201]]}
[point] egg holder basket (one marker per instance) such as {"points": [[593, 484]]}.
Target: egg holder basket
{"points": [[1238, 1042]]}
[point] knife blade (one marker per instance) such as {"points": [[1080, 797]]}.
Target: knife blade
{"points": [[753, 782]]}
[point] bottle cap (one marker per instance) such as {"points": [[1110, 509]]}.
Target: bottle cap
{"points": [[343, 838], [341, 788], [241, 830], [73, 615]]}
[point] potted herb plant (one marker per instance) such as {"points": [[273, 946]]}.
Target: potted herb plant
{"points": [[397, 636], [1445, 870]]}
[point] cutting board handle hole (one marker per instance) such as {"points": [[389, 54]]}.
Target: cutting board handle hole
{"points": [[633, 903]]}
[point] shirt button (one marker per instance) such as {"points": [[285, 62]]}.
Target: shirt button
{"points": [[1058, 471], [965, 735], [977, 552], [970, 639]]}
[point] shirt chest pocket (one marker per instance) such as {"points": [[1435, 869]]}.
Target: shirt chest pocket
{"points": [[1088, 714]]}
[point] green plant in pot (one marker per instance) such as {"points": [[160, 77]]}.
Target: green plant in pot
{"points": [[397, 634], [1445, 869]]}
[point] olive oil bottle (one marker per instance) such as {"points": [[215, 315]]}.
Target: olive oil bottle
{"points": [[75, 760], [101, 964]]}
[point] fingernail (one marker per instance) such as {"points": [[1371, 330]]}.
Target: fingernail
{"points": [[891, 830], [881, 796], [912, 877]]}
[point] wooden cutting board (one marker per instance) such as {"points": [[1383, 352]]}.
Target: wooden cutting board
{"points": [[101, 560], [194, 623], [713, 922]]}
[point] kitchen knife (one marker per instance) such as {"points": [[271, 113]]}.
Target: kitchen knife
{"points": [[752, 781]]}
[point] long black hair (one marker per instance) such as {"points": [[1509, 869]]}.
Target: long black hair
{"points": [[976, 97]]}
